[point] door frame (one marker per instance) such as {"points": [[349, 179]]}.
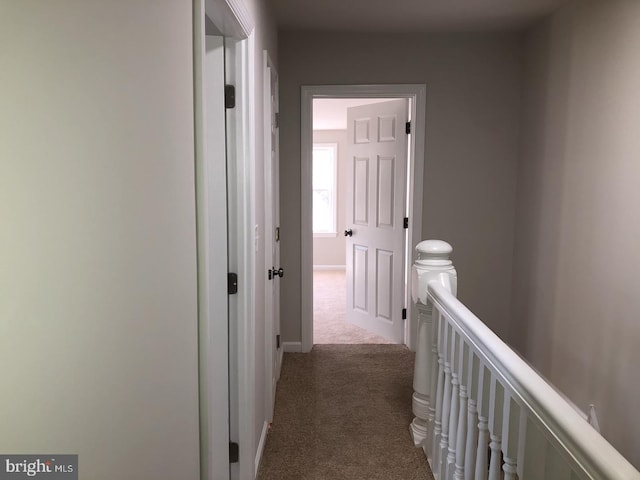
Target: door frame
{"points": [[418, 94], [234, 21]]}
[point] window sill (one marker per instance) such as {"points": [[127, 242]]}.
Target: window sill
{"points": [[325, 234]]}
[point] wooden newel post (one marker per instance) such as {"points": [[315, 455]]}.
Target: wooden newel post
{"points": [[433, 264]]}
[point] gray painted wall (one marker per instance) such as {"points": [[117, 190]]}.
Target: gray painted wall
{"points": [[333, 250], [98, 302], [98, 310], [576, 300], [473, 113]]}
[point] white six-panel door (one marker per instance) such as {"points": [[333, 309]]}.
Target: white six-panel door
{"points": [[376, 199], [274, 349]]}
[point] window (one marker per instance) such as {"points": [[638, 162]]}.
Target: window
{"points": [[324, 189]]}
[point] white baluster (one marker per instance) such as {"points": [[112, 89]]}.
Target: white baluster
{"points": [[510, 437], [495, 426], [437, 424], [431, 414], [455, 402], [432, 264], [472, 419], [462, 420], [483, 425], [446, 400]]}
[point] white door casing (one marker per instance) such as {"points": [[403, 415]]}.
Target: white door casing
{"points": [[211, 193], [417, 93], [227, 324], [376, 198]]}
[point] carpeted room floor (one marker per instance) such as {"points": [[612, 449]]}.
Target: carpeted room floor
{"points": [[343, 412], [329, 305]]}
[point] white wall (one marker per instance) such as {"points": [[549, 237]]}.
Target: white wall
{"points": [[98, 307], [473, 105], [333, 250], [576, 299]]}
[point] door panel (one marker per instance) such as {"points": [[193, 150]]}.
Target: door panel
{"points": [[385, 192], [361, 191], [375, 212], [360, 277], [384, 274], [272, 242]]}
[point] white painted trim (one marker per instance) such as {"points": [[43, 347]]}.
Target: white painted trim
{"points": [[242, 15], [418, 94], [232, 17], [582, 450], [245, 101], [320, 268], [293, 347], [233, 20], [280, 359], [241, 181], [260, 449], [210, 201]]}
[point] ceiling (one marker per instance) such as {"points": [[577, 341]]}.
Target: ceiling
{"points": [[411, 16]]}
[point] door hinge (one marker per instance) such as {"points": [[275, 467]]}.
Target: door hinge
{"points": [[404, 313], [277, 119], [229, 96], [232, 283], [277, 234], [234, 452], [405, 224], [407, 128], [277, 341]]}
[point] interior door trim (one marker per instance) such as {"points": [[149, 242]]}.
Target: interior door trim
{"points": [[418, 94]]}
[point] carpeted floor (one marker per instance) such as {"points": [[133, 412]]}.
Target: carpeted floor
{"points": [[343, 412], [329, 304]]}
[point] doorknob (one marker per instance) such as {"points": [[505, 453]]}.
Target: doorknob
{"points": [[348, 233]]}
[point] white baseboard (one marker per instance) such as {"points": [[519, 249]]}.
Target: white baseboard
{"points": [[329, 267], [263, 440], [292, 346], [279, 362]]}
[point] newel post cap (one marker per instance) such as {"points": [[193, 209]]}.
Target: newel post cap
{"points": [[434, 250], [432, 263]]}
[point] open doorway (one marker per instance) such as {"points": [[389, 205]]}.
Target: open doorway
{"points": [[330, 171], [331, 263]]}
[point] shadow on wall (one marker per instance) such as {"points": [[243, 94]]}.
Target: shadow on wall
{"points": [[540, 190]]}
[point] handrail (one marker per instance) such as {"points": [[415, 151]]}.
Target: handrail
{"points": [[598, 458]]}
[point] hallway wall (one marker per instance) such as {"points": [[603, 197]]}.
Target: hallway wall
{"points": [[473, 104], [98, 294], [98, 278], [576, 301]]}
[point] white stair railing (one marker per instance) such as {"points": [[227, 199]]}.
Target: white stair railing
{"points": [[481, 412]]}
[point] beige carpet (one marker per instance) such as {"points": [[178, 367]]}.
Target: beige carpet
{"points": [[343, 412], [329, 304]]}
